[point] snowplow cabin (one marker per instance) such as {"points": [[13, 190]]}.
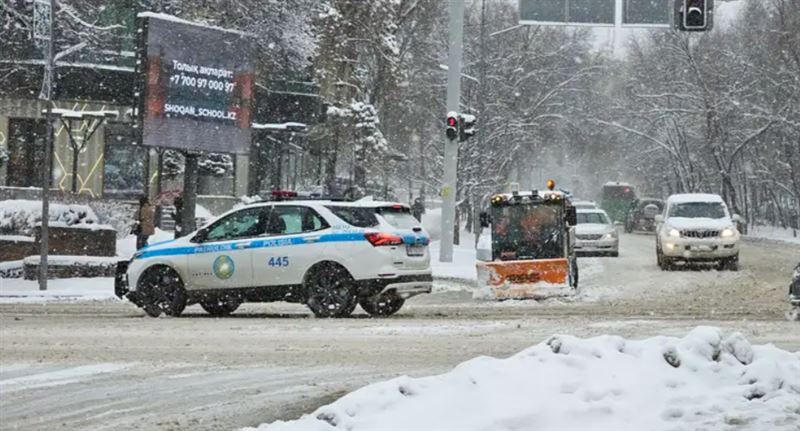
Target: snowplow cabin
{"points": [[530, 250]]}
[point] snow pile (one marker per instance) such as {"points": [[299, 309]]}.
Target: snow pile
{"points": [[11, 269], [22, 216], [56, 260], [705, 380], [19, 291]]}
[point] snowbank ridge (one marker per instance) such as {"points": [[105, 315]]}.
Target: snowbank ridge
{"points": [[706, 380]]}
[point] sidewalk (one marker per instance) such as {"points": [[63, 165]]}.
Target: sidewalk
{"points": [[462, 268], [774, 233]]}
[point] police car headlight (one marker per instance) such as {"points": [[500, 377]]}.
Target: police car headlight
{"points": [[136, 255], [675, 233], [728, 232]]}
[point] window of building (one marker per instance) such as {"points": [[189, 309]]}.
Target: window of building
{"points": [[124, 168]]}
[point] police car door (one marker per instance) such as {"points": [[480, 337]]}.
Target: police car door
{"points": [[224, 257], [292, 246]]}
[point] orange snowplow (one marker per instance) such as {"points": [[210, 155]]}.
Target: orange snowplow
{"points": [[532, 253]]}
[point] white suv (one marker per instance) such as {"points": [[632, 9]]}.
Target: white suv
{"points": [[697, 228], [328, 255]]}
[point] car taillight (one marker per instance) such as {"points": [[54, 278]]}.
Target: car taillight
{"points": [[378, 239]]}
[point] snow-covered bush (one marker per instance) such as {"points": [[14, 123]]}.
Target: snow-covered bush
{"points": [[118, 215], [20, 217]]}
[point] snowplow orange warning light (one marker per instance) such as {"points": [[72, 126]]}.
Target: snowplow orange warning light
{"points": [[551, 184]]}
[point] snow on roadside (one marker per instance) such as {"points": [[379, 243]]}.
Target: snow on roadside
{"points": [[774, 233], [126, 247], [17, 290], [462, 267], [705, 380]]}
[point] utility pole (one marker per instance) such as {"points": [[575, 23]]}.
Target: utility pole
{"points": [[46, 95], [448, 191], [190, 177], [480, 103]]}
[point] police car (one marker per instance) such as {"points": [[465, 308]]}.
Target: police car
{"points": [[329, 255]]}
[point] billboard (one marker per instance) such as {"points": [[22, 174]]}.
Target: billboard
{"points": [[567, 12], [596, 13], [647, 13], [196, 86]]}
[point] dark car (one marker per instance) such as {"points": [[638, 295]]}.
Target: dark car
{"points": [[642, 215]]}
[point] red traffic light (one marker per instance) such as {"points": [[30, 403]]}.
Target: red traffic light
{"points": [[452, 127]]}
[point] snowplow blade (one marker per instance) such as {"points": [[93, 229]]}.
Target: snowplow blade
{"points": [[525, 279]]}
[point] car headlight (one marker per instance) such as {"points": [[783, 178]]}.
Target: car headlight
{"points": [[675, 233], [728, 232], [611, 235], [136, 255]]}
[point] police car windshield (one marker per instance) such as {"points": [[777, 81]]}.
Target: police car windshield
{"points": [[400, 218], [713, 210], [593, 218]]}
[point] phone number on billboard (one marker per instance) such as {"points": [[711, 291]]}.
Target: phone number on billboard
{"points": [[201, 83], [191, 111]]}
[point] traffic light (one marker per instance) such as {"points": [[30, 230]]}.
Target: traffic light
{"points": [[452, 126], [694, 15], [466, 127]]}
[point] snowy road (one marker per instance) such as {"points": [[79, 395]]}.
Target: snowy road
{"points": [[102, 365]]}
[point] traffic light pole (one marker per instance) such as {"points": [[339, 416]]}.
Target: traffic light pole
{"points": [[448, 191]]}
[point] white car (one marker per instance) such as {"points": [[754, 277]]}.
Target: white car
{"points": [[697, 228], [596, 234], [328, 255]]}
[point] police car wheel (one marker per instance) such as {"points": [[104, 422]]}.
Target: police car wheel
{"points": [[330, 291], [382, 305], [162, 292], [219, 306]]}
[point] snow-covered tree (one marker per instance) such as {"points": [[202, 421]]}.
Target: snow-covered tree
{"points": [[717, 112], [356, 68], [215, 164]]}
